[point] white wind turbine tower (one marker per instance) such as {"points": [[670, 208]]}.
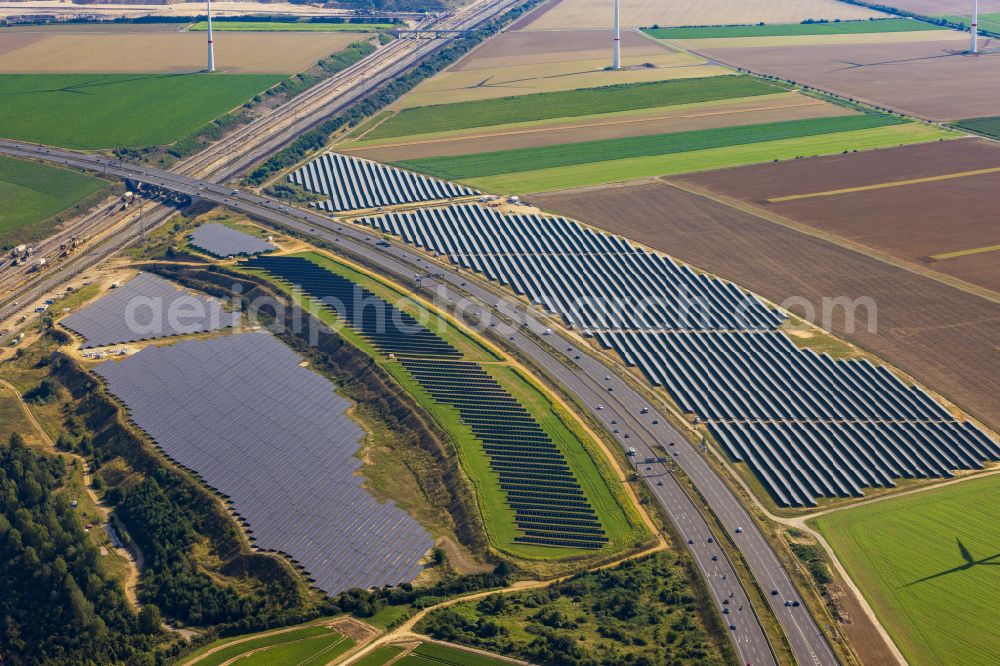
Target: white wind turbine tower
{"points": [[618, 40], [975, 26], [211, 45]]}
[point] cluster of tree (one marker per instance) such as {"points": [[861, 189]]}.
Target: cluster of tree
{"points": [[382, 97], [365, 603], [640, 612], [57, 606]]}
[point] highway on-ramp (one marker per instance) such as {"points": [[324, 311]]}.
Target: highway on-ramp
{"points": [[583, 375]]}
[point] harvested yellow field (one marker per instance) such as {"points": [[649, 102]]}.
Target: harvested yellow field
{"points": [[521, 63], [596, 14], [823, 40], [150, 51], [681, 118]]}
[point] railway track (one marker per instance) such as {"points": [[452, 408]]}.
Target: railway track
{"points": [[233, 154]]}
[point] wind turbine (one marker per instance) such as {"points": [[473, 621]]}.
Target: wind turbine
{"points": [[975, 26], [618, 40], [211, 45]]}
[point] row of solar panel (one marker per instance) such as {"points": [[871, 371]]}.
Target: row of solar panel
{"points": [[627, 289], [274, 438], [145, 308], [511, 439], [352, 184], [390, 329], [727, 363], [222, 241], [799, 462], [722, 375], [531, 468]]}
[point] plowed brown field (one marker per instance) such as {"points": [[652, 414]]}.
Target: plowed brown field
{"points": [[935, 80], [750, 111], [945, 337], [912, 202]]}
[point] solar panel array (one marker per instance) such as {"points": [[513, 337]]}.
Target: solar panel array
{"points": [[274, 438], [222, 241], [550, 508], [352, 183], [594, 280], [807, 425], [145, 308]]}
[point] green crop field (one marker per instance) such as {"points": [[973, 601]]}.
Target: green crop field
{"points": [[929, 564], [31, 194], [564, 155], [569, 104], [92, 111], [314, 644], [380, 656], [989, 125], [989, 22], [782, 29], [612, 171], [288, 26], [622, 525], [429, 654]]}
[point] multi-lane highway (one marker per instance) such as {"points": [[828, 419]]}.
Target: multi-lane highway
{"points": [[106, 233], [583, 375]]}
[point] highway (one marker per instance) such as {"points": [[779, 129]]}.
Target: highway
{"points": [[583, 375], [105, 234]]}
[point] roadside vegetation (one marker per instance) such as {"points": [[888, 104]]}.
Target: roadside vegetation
{"points": [[568, 104], [928, 563], [642, 611], [37, 197]]}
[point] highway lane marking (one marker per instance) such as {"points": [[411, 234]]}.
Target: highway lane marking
{"points": [[883, 186]]}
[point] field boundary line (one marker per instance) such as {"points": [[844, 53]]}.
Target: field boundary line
{"points": [[775, 218], [883, 186]]}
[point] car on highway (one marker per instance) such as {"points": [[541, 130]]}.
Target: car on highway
{"points": [[715, 558], [711, 540], [739, 530]]}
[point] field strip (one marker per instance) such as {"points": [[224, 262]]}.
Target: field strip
{"points": [[550, 128], [624, 169], [883, 186], [965, 253]]}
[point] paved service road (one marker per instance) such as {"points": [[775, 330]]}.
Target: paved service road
{"points": [[581, 374]]}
